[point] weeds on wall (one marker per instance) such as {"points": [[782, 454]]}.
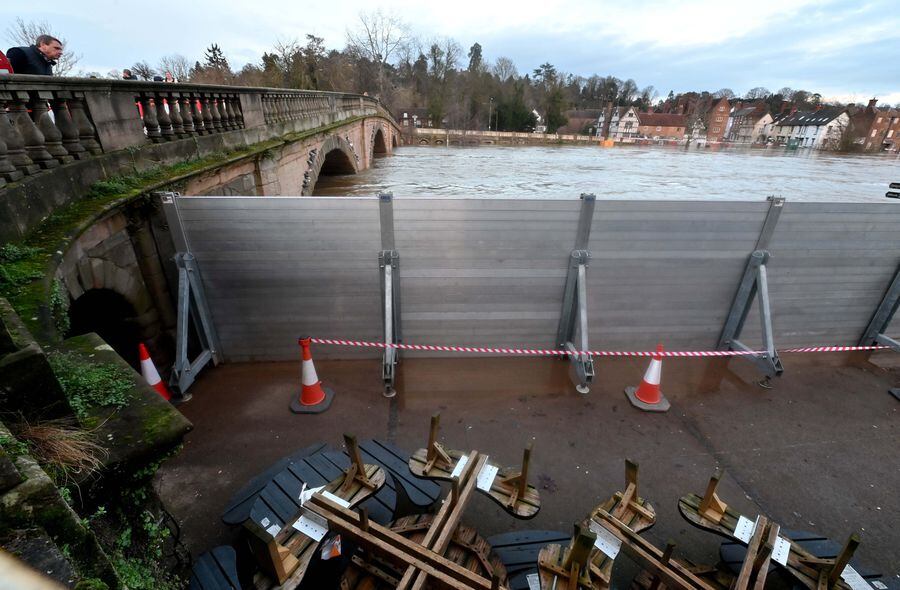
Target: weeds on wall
{"points": [[91, 385]]}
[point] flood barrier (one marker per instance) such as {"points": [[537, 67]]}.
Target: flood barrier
{"points": [[494, 272]]}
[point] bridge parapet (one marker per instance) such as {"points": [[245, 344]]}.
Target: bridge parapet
{"points": [[59, 135], [47, 121]]}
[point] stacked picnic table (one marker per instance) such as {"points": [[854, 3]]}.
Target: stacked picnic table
{"points": [[369, 516]]}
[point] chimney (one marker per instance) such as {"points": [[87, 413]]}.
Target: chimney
{"points": [[819, 107], [872, 103], [793, 110], [785, 105]]}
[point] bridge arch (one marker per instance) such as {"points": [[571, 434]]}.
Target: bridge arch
{"points": [[336, 155], [112, 317]]}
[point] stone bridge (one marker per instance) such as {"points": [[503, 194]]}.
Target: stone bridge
{"points": [[80, 161]]}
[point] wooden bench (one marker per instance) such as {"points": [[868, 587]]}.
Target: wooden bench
{"points": [[316, 465], [732, 553], [216, 570], [519, 551], [279, 548], [238, 508]]}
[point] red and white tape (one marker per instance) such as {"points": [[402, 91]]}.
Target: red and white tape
{"points": [[598, 353]]}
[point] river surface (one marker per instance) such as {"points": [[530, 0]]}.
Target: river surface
{"points": [[621, 172]]}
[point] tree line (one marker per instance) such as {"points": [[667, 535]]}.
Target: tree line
{"points": [[456, 88]]}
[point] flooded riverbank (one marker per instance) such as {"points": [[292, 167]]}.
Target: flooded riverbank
{"points": [[622, 172]]}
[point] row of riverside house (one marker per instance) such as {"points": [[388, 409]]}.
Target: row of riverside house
{"points": [[715, 121]]}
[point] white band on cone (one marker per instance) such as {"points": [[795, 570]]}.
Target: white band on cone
{"points": [[654, 371], [309, 377], [149, 371]]}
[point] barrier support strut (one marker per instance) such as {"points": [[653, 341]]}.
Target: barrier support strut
{"points": [[192, 306], [753, 284], [388, 262], [875, 332], [574, 319], [574, 309]]}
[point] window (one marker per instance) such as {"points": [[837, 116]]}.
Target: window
{"points": [[659, 128], [878, 120], [718, 119], [890, 133], [873, 133], [715, 130]]}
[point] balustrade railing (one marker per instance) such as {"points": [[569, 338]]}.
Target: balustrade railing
{"points": [[46, 122]]}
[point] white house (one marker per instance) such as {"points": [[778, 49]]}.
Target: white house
{"points": [[623, 123], [748, 125], [821, 129]]}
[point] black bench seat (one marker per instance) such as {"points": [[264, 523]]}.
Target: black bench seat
{"points": [[216, 570]]}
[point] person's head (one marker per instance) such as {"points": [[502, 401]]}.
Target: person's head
{"points": [[169, 77], [50, 46], [126, 73]]}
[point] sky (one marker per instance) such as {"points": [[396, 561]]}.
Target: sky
{"points": [[846, 50]]}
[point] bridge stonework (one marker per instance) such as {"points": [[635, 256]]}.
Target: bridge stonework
{"points": [[60, 136]]}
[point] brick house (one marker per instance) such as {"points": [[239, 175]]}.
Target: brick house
{"points": [[869, 127], [891, 141], [661, 125], [717, 119]]}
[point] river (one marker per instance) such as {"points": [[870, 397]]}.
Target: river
{"points": [[621, 172]]}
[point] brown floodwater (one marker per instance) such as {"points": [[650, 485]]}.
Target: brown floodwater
{"points": [[621, 172]]}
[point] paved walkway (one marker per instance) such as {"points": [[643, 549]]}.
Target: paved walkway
{"points": [[818, 452]]}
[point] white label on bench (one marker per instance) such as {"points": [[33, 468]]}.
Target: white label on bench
{"points": [[335, 499], [854, 580], [457, 471], [273, 530], [534, 581], [745, 529], [486, 477], [312, 525], [781, 550], [606, 542], [307, 493], [879, 585], [265, 522]]}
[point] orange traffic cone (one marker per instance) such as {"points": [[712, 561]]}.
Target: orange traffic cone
{"points": [[148, 370], [313, 397], [647, 396]]}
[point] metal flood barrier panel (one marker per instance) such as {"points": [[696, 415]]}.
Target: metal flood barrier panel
{"points": [[492, 272]]}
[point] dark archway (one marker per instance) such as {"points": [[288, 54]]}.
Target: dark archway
{"points": [[336, 163], [379, 147], [111, 316]]}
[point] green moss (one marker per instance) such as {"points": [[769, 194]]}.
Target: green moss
{"points": [[12, 446], [91, 584], [90, 385]]}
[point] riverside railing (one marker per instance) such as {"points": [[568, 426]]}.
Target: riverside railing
{"points": [[47, 121]]}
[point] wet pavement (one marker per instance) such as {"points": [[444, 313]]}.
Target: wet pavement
{"points": [[817, 452]]}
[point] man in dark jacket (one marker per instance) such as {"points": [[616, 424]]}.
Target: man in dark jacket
{"points": [[37, 59]]}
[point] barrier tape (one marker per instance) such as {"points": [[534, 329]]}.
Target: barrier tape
{"points": [[598, 353]]}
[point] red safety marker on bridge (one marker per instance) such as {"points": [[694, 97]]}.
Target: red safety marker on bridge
{"points": [[314, 398], [148, 370], [647, 396]]}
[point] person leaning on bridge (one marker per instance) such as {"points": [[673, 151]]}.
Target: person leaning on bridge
{"points": [[37, 59]]}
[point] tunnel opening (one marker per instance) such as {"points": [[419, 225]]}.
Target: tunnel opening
{"points": [[379, 147], [336, 163], [112, 317]]}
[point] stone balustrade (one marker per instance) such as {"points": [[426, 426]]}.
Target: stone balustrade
{"points": [[46, 122]]}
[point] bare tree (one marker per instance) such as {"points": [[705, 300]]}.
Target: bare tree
{"points": [[378, 39], [724, 93], [757, 93], [25, 32], [143, 70], [177, 64], [505, 69]]}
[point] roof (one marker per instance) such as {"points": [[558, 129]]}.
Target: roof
{"points": [[662, 119], [743, 112], [820, 117]]}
